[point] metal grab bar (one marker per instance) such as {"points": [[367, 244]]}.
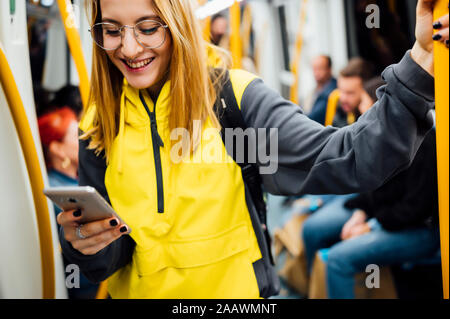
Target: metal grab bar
{"points": [[73, 38], [28, 146], [442, 141]]}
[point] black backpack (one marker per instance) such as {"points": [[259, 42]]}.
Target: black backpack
{"points": [[230, 116]]}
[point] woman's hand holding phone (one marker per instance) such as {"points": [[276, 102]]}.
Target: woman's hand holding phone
{"points": [[92, 237]]}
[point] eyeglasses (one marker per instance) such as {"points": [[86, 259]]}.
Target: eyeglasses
{"points": [[149, 34]]}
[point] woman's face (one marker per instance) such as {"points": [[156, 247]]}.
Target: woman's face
{"points": [[143, 68]]}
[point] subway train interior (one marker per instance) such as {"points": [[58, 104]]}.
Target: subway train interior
{"points": [[306, 51]]}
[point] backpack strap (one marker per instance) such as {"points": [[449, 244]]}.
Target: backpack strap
{"points": [[230, 116]]}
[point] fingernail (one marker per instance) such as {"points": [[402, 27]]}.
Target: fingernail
{"points": [[123, 229], [437, 37], [437, 25], [113, 223], [447, 42], [77, 213]]}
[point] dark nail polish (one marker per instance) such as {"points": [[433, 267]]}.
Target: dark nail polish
{"points": [[77, 213], [437, 37], [437, 25], [113, 223], [447, 42], [123, 229]]}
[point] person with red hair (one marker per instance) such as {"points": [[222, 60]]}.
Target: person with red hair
{"points": [[59, 136]]}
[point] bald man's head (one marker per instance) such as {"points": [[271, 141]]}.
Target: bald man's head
{"points": [[322, 69]]}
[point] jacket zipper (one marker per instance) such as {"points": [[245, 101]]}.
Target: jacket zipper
{"points": [[157, 144]]}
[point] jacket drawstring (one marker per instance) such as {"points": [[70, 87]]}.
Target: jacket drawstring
{"points": [[121, 131]]}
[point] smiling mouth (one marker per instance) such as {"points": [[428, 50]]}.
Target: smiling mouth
{"points": [[138, 65]]}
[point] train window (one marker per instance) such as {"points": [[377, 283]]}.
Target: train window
{"points": [[382, 43]]}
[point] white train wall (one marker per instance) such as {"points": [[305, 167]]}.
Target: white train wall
{"points": [[20, 264]]}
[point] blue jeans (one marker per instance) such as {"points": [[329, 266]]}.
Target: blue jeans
{"points": [[379, 247], [349, 257], [323, 228]]}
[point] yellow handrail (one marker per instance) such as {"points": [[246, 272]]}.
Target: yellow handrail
{"points": [[20, 119], [259, 44], [207, 29], [246, 29], [442, 136], [102, 292], [73, 38], [333, 101], [235, 38], [298, 52], [206, 23]]}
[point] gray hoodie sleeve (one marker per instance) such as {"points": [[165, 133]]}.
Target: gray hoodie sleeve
{"points": [[312, 159]]}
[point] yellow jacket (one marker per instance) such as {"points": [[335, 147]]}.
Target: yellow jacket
{"points": [[202, 245]]}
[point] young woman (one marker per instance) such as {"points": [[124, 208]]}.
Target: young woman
{"points": [[193, 236]]}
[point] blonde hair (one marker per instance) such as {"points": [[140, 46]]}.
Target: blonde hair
{"points": [[193, 91]]}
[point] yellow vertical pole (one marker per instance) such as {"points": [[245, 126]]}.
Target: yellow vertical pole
{"points": [[235, 38], [28, 146], [298, 52], [206, 23], [442, 136], [207, 29], [392, 5], [102, 292], [247, 30], [73, 38]]}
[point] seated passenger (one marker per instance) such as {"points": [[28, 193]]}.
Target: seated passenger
{"points": [[395, 224], [326, 83], [69, 96], [219, 29], [59, 137], [347, 103]]}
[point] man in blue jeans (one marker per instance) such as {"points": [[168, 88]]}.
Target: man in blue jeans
{"points": [[395, 224]]}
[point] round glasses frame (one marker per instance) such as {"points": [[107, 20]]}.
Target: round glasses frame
{"points": [[136, 36]]}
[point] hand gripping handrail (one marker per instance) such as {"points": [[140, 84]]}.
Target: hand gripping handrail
{"points": [[442, 141], [25, 135]]}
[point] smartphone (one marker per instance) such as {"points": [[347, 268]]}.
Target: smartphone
{"points": [[94, 207]]}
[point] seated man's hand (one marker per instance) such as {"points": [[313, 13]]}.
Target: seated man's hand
{"points": [[359, 217], [359, 230]]}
